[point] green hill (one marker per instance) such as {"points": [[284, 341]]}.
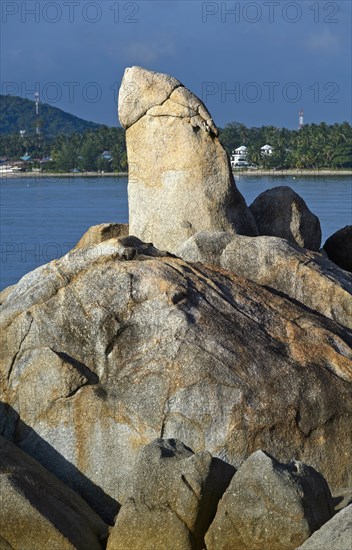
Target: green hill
{"points": [[19, 114]]}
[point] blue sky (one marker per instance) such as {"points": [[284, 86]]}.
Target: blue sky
{"points": [[256, 62]]}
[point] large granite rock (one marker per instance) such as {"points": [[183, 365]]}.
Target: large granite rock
{"points": [[305, 276], [339, 248], [270, 506], [180, 180], [280, 212], [38, 511], [336, 534], [174, 487], [103, 352]]}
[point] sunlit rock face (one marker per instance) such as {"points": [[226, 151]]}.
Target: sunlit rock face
{"points": [[117, 344], [180, 180], [306, 276]]}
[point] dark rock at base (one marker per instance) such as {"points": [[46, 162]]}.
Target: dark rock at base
{"points": [[339, 248], [270, 506], [174, 487], [336, 534], [38, 511], [280, 212]]}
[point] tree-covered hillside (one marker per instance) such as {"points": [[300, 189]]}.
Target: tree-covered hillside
{"points": [[315, 146], [19, 114]]}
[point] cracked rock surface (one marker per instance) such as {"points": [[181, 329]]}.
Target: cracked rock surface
{"points": [[270, 506], [118, 344], [303, 275], [174, 487], [180, 180]]}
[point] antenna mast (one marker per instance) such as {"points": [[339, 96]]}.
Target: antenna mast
{"points": [[300, 120], [36, 96]]}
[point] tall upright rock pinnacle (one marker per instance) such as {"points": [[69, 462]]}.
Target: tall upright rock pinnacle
{"points": [[180, 180]]}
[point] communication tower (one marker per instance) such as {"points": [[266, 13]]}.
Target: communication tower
{"points": [[300, 120], [36, 97]]}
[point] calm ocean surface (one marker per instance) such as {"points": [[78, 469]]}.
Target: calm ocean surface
{"points": [[42, 219]]}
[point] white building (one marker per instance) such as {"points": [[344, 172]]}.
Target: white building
{"points": [[266, 150], [239, 157]]}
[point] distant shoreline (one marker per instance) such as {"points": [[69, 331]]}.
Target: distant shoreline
{"points": [[48, 175], [252, 173], [292, 172]]}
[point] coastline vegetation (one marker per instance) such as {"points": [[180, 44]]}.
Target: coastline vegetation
{"points": [[314, 147], [78, 152]]}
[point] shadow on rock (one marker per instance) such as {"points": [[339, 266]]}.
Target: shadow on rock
{"points": [[27, 439]]}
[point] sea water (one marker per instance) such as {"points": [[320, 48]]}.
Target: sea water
{"points": [[43, 218]]}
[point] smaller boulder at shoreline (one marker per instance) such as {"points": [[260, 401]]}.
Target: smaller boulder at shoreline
{"points": [[339, 248], [270, 506], [280, 212]]}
